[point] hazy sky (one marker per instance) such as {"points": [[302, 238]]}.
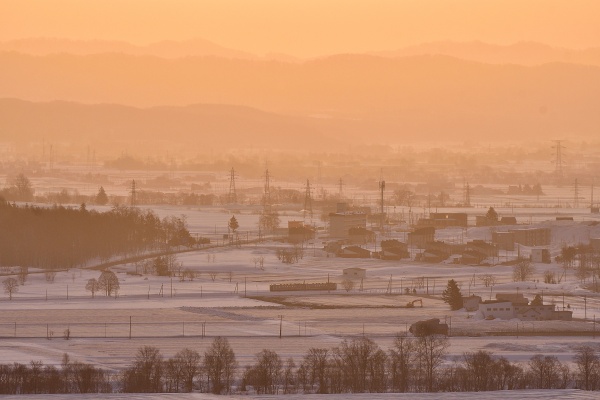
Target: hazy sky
{"points": [[307, 27]]}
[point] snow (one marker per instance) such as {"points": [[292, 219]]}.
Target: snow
{"points": [[231, 297]]}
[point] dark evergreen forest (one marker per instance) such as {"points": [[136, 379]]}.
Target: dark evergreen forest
{"points": [[59, 237]]}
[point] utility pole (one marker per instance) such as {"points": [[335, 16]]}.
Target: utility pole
{"points": [[576, 194], [133, 193], [280, 324], [381, 188], [592, 197]]}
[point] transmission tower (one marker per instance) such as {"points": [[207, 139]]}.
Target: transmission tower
{"points": [[467, 191], [576, 194], [319, 166], [133, 194], [232, 194], [267, 194], [308, 201], [558, 162]]}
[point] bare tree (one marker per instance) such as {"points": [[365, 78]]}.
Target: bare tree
{"points": [[488, 280], [587, 363], [189, 364], [357, 362], [11, 286], [22, 275], [523, 270], [315, 366], [547, 372], [289, 381], [402, 360], [431, 351], [219, 366], [146, 374], [92, 286], [108, 282], [50, 274], [265, 375], [481, 368], [22, 188], [347, 284]]}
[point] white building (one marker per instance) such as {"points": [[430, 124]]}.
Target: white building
{"points": [[493, 309]]}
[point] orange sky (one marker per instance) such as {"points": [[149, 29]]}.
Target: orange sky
{"points": [[307, 27]]}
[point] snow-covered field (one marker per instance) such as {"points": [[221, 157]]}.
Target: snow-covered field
{"points": [[230, 297]]}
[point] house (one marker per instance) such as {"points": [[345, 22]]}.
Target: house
{"points": [[595, 244], [449, 219], [508, 221], [483, 247], [421, 236], [472, 257], [504, 240], [564, 218], [532, 236], [432, 256], [342, 221], [298, 232], [497, 309], [394, 253], [393, 250], [543, 312], [392, 243], [448, 248], [354, 252], [333, 247], [511, 305], [515, 298], [540, 255], [360, 235], [354, 273], [471, 303]]}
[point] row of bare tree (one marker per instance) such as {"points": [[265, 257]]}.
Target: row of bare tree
{"points": [[36, 378], [358, 365]]}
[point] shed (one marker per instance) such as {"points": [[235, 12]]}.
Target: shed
{"points": [[540, 255]]}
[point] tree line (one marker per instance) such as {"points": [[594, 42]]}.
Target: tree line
{"points": [[358, 365], [58, 237]]}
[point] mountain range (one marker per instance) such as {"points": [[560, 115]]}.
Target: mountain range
{"points": [[329, 101], [522, 53]]}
